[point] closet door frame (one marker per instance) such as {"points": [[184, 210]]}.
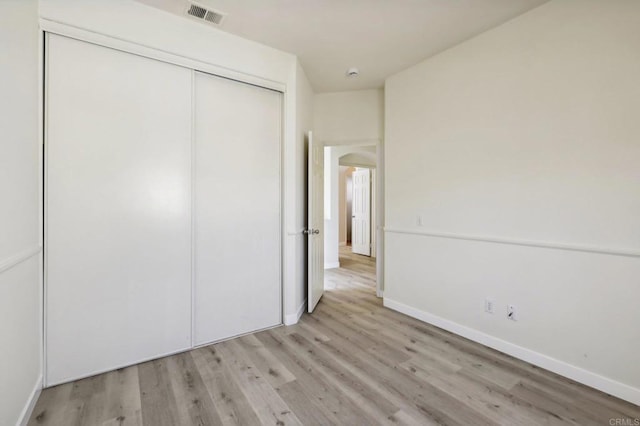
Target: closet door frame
{"points": [[57, 28], [51, 27]]}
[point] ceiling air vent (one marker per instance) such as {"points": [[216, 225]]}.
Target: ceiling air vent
{"points": [[214, 17], [200, 12]]}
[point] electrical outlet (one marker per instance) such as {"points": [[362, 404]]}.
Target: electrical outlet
{"points": [[512, 313], [488, 305]]}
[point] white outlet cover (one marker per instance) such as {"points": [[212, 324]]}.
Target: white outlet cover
{"points": [[489, 305]]}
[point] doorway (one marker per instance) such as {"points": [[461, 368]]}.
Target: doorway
{"points": [[357, 209], [350, 217], [356, 272]]}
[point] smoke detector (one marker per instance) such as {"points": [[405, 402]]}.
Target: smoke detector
{"points": [[353, 72], [201, 13]]}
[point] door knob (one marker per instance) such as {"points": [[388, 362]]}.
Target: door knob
{"points": [[315, 231]]}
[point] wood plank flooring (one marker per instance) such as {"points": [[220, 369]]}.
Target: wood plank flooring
{"points": [[352, 362]]}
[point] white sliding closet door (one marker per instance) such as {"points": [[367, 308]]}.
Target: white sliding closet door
{"points": [[237, 208], [118, 209]]}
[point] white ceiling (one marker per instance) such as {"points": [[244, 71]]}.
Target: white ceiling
{"points": [[380, 37]]}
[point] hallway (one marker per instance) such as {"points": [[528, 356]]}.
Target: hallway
{"points": [[355, 271]]}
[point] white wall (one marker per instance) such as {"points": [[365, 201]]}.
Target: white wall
{"points": [[527, 133], [20, 254], [331, 206], [304, 123], [150, 27], [340, 117]]}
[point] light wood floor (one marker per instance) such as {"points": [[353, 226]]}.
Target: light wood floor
{"points": [[352, 362]]}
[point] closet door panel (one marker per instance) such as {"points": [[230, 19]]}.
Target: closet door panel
{"points": [[237, 208], [118, 241]]}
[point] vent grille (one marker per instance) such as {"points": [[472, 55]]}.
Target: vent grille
{"points": [[197, 11], [214, 17], [200, 12]]}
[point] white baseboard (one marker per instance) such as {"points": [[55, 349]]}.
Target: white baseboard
{"points": [[562, 368], [342, 244], [25, 415], [292, 319], [331, 265]]}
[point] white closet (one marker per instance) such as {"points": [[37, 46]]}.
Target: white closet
{"points": [[237, 208], [162, 209]]}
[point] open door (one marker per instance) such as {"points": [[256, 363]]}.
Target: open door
{"points": [[315, 224], [361, 212]]}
